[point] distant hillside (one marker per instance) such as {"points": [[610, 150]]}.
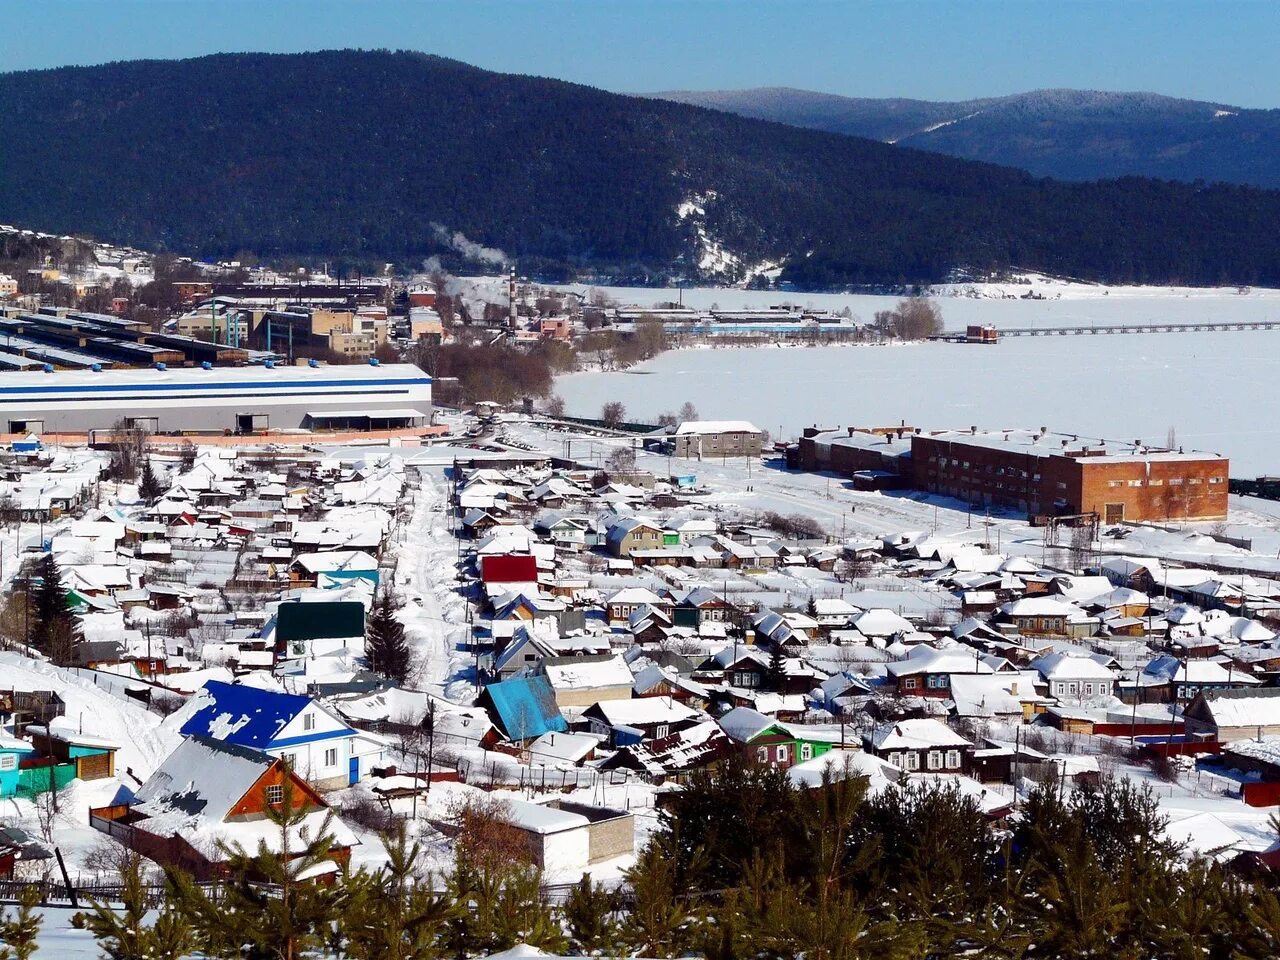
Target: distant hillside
{"points": [[1068, 134], [364, 157]]}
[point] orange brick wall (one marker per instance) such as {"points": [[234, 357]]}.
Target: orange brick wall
{"points": [[1186, 489], [1159, 490]]}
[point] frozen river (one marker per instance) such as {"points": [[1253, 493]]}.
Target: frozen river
{"points": [[1219, 391]]}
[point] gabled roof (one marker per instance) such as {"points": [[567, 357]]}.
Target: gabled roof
{"points": [[1066, 666], [587, 673], [523, 707], [642, 711], [695, 746], [202, 778], [744, 724], [915, 735], [243, 715]]}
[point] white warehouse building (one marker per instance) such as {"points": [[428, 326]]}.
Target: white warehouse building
{"points": [[217, 399]]}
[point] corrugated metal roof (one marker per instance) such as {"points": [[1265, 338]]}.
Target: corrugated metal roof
{"points": [[524, 707]]}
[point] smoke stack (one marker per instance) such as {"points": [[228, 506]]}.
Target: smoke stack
{"points": [[973, 431], [511, 299]]}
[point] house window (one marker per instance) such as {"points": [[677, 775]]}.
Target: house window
{"points": [[909, 683], [661, 731], [933, 760], [806, 751], [896, 759], [913, 761], [309, 721], [1088, 689], [331, 758], [8, 761], [953, 759], [762, 754], [290, 760], [781, 754], [275, 794]]}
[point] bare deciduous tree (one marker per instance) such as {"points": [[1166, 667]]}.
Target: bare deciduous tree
{"points": [[613, 413]]}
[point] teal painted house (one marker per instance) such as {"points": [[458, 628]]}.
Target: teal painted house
{"points": [[12, 753]]}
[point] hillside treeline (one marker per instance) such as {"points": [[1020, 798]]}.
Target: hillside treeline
{"points": [[363, 157]]}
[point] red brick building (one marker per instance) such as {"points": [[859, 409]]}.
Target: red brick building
{"points": [[1051, 473]]}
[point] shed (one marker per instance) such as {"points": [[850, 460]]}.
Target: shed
{"points": [[566, 838]]}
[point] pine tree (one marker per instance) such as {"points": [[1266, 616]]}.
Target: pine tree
{"points": [[149, 487], [18, 932], [385, 646], [391, 915], [657, 924], [775, 677], [54, 630], [125, 935], [812, 608], [588, 912], [521, 913], [268, 905]]}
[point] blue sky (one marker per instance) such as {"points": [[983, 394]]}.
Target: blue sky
{"points": [[1222, 51]]}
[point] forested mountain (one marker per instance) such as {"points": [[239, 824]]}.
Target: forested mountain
{"points": [[1069, 134], [373, 156]]}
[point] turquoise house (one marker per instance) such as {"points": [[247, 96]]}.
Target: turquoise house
{"points": [[11, 753]]}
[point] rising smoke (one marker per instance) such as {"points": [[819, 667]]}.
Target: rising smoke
{"points": [[457, 240]]}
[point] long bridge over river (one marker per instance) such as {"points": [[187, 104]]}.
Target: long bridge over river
{"points": [[1214, 326]]}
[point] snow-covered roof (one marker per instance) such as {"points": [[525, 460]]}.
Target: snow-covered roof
{"points": [[921, 734], [879, 622], [1256, 710], [689, 427], [201, 779], [1039, 607], [1070, 666], [643, 711], [542, 819], [839, 764], [579, 673]]}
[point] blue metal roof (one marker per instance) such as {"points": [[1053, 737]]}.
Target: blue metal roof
{"points": [[246, 716], [525, 707]]}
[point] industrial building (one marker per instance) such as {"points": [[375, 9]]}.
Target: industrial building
{"points": [[1047, 473], [1033, 471], [235, 400], [82, 341]]}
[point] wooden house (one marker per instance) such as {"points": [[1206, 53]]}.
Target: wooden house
{"points": [[209, 792]]}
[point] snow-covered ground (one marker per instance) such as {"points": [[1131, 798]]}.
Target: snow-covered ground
{"points": [[740, 486], [1214, 389]]}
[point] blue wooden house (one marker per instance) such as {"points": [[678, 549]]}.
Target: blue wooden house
{"points": [[12, 752]]}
